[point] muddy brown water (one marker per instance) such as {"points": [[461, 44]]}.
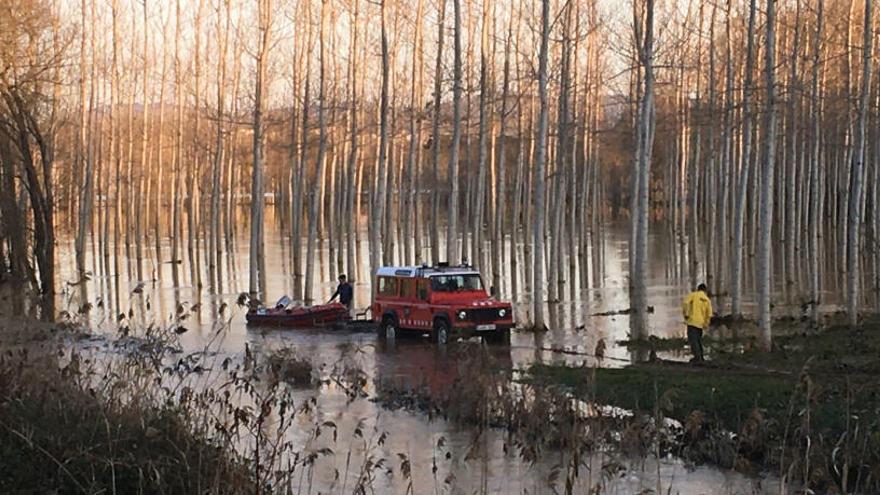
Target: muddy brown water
{"points": [[155, 297]]}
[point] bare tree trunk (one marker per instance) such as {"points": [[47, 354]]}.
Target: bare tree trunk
{"points": [[483, 151], [518, 193], [129, 175], [322, 151], [87, 189], [644, 147], [745, 166], [435, 136], [377, 214], [193, 201], [540, 167], [115, 138], [410, 198], [160, 174], [233, 186], [710, 177], [416, 186], [791, 155], [815, 168], [575, 157], [764, 249], [563, 125], [452, 245], [13, 217], [215, 251], [501, 197], [296, 223], [351, 219], [143, 200], [256, 240], [727, 152], [178, 151], [853, 275]]}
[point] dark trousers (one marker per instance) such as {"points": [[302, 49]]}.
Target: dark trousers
{"points": [[695, 340]]}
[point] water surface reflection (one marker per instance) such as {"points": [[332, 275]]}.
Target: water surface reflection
{"points": [[212, 318]]}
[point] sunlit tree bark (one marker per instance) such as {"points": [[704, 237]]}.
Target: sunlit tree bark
{"points": [[816, 171], [452, 240], [764, 248], [540, 166], [644, 145], [435, 135], [322, 151], [256, 278], [853, 244], [745, 166]]}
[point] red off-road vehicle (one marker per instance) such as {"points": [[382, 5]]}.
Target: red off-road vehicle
{"points": [[443, 301]]}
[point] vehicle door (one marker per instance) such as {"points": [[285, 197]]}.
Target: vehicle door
{"points": [[407, 302], [422, 316], [387, 298]]}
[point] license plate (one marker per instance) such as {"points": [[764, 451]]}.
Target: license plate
{"points": [[485, 327]]}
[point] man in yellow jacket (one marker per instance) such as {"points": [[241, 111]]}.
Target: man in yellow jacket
{"points": [[697, 312]]}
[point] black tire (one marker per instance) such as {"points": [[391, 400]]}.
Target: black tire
{"points": [[387, 329], [441, 332], [498, 337]]}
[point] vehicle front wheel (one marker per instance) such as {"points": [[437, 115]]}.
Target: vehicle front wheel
{"points": [[387, 330], [441, 332]]}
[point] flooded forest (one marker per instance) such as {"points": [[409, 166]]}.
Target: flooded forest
{"points": [[169, 168]]}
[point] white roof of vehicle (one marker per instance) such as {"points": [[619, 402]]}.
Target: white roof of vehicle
{"points": [[414, 271]]}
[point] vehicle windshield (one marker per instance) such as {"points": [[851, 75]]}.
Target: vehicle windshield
{"points": [[454, 283]]}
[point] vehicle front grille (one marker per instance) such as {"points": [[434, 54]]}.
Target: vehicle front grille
{"points": [[482, 315]]}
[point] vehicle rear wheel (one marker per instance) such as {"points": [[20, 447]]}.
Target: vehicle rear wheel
{"points": [[441, 332], [387, 330]]}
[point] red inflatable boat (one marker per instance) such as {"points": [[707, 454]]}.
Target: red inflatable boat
{"points": [[323, 315]]}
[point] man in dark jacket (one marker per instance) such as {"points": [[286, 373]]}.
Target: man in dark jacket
{"points": [[344, 291]]}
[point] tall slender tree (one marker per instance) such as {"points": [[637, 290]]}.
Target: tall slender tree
{"points": [[540, 165], [744, 166], [255, 281], [815, 167], [322, 151], [452, 241], [435, 134], [644, 23], [853, 275], [765, 240]]}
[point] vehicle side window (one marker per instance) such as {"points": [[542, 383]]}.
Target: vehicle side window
{"points": [[423, 289], [388, 286], [408, 288], [453, 283]]}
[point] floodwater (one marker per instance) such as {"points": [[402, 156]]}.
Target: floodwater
{"points": [[572, 338]]}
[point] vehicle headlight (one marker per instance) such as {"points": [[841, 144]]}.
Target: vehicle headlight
{"points": [[462, 315], [502, 313]]}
